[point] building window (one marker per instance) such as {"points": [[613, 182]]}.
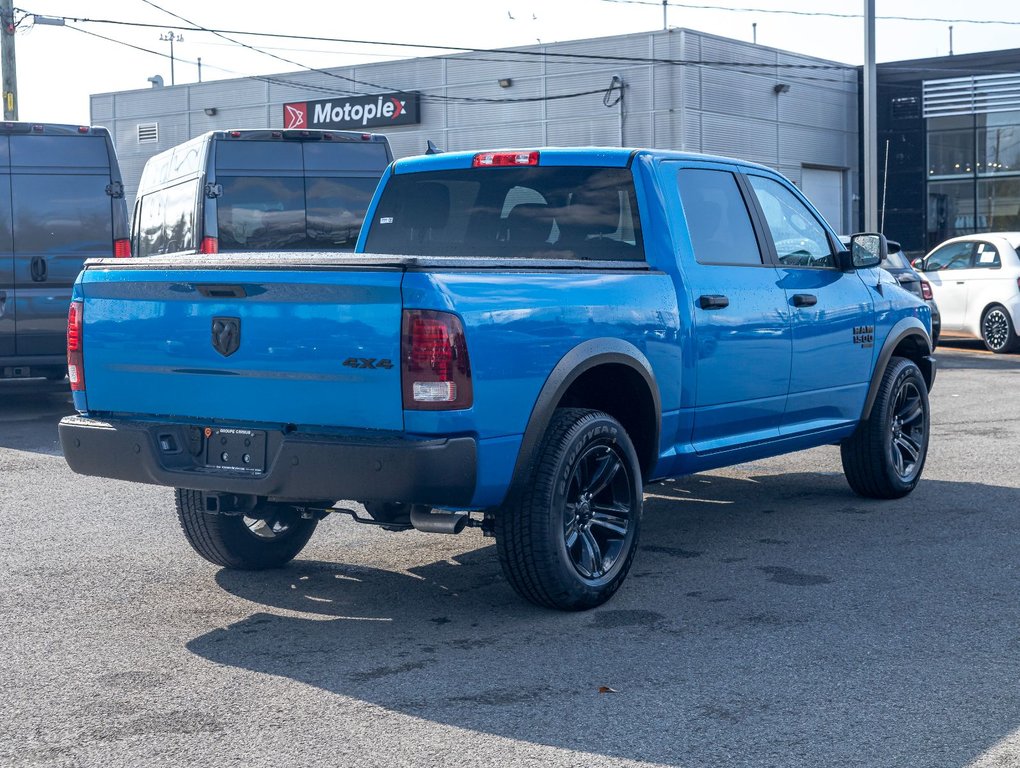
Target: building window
{"points": [[973, 174], [998, 143]]}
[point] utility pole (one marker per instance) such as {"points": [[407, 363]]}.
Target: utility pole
{"points": [[171, 38], [665, 6], [870, 169], [10, 75]]}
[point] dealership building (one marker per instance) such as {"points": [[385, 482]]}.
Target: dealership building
{"points": [[948, 127], [670, 89]]}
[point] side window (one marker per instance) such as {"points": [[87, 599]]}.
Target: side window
{"points": [[987, 256], [151, 238], [179, 216], [952, 256], [799, 238], [717, 218]]}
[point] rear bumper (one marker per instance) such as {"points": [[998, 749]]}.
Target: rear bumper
{"points": [[302, 467]]}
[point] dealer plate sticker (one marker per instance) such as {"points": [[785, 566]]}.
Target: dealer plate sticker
{"points": [[236, 450]]}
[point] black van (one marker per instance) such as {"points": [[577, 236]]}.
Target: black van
{"points": [[258, 190], [61, 202]]}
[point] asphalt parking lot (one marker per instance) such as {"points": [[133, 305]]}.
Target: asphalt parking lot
{"points": [[771, 618]]}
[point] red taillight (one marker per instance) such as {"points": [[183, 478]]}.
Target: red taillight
{"points": [[83, 129], [926, 293], [122, 249], [435, 371], [502, 159], [209, 245], [75, 359]]}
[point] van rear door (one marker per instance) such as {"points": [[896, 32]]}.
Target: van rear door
{"points": [[7, 299], [61, 215]]}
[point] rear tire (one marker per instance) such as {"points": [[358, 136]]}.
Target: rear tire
{"points": [[884, 457], [567, 537], [240, 542], [997, 331]]}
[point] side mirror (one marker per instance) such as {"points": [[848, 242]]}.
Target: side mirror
{"points": [[867, 249]]}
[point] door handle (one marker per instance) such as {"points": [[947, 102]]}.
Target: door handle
{"points": [[713, 301], [38, 269], [804, 299]]}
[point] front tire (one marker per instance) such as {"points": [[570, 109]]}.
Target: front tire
{"points": [[997, 330], [567, 538], [884, 457], [242, 542]]}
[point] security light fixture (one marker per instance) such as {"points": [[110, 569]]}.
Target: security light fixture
{"points": [[210, 111], [781, 88], [505, 82]]}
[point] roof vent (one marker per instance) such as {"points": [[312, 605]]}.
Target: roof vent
{"points": [[148, 133]]}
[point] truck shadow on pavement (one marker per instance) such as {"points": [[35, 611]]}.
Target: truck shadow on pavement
{"points": [[26, 405], [768, 620]]}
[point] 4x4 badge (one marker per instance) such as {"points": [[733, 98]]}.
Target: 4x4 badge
{"points": [[226, 335]]}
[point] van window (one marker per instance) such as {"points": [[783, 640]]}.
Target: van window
{"points": [[61, 213], [166, 220], [336, 209], [262, 213], [365, 156], [83, 152]]}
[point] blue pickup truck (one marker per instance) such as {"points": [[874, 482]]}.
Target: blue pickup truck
{"points": [[521, 341]]}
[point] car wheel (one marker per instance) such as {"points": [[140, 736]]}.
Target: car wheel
{"points": [[566, 539], [997, 330], [884, 457], [243, 542]]}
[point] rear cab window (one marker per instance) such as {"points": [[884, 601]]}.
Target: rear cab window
{"points": [[552, 212]]}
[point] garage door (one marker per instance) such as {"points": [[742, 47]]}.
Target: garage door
{"points": [[824, 188]]}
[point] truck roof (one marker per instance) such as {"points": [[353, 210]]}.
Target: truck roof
{"points": [[609, 157]]}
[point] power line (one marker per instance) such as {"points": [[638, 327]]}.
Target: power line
{"points": [[504, 51], [827, 14], [335, 92]]}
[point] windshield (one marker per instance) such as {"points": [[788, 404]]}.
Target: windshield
{"points": [[558, 212]]}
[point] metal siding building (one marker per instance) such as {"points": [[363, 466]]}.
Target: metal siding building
{"points": [[683, 90]]}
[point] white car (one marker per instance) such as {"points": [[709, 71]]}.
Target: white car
{"points": [[976, 282]]}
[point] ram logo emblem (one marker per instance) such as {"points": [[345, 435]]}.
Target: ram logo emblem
{"points": [[226, 335]]}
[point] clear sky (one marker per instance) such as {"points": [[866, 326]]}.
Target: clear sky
{"points": [[58, 67]]}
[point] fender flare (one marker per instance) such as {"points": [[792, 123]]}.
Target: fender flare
{"points": [[908, 326], [573, 365]]}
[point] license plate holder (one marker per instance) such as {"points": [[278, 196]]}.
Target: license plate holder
{"points": [[236, 450]]}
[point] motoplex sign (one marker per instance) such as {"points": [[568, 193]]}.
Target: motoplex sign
{"points": [[354, 112]]}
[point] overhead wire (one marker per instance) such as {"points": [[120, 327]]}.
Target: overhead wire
{"points": [[436, 98], [790, 12]]}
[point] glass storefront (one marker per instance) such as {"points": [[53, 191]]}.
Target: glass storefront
{"points": [[973, 174]]}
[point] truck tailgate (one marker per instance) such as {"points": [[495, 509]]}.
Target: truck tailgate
{"points": [[304, 347]]}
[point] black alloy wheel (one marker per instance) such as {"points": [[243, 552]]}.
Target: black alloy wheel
{"points": [[908, 431], [884, 457], [567, 536], [597, 511], [997, 330]]}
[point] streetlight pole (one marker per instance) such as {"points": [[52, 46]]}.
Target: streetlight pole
{"points": [[870, 170], [171, 38]]}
